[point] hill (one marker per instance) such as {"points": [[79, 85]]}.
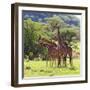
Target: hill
{"points": [[37, 16]]}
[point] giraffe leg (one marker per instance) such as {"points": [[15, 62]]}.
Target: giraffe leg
{"points": [[65, 61], [50, 63], [70, 57], [55, 63], [59, 61], [47, 63], [71, 61]]}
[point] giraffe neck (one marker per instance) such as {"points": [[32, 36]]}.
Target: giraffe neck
{"points": [[59, 37]]}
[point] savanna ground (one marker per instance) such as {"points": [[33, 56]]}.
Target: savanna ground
{"points": [[39, 68]]}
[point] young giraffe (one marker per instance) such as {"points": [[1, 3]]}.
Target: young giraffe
{"points": [[64, 48]]}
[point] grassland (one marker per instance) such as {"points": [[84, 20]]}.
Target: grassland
{"points": [[39, 68]]}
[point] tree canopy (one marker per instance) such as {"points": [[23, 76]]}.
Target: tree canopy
{"points": [[32, 31]]}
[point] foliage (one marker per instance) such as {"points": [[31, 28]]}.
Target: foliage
{"points": [[32, 30], [55, 22], [69, 34]]}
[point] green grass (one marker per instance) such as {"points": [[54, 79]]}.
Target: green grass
{"points": [[39, 68]]}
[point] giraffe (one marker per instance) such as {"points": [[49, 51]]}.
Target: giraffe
{"points": [[66, 50]]}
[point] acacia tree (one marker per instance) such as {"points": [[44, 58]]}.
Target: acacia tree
{"points": [[62, 30], [69, 34], [55, 23]]}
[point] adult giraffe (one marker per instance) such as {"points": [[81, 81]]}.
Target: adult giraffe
{"points": [[66, 50], [53, 51]]}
